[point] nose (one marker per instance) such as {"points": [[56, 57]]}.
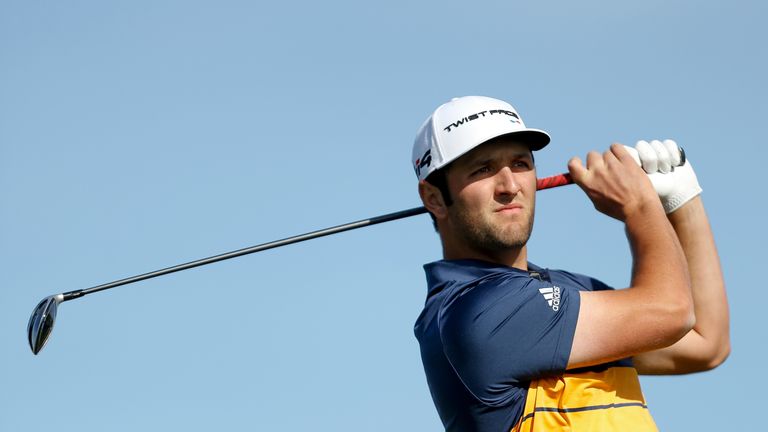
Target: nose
{"points": [[507, 184]]}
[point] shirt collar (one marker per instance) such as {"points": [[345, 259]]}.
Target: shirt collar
{"points": [[467, 270]]}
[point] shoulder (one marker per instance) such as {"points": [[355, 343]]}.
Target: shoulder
{"points": [[577, 280], [507, 328], [492, 291], [510, 299]]}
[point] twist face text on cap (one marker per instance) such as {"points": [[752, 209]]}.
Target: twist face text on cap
{"points": [[476, 116]]}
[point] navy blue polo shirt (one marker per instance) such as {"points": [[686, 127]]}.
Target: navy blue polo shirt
{"points": [[487, 330]]}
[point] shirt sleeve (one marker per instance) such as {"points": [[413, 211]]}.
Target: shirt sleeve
{"points": [[585, 283], [507, 330]]}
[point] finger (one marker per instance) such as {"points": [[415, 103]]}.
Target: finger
{"points": [[577, 170], [648, 158], [612, 157], [621, 152], [674, 152], [594, 160], [633, 152], [663, 157]]}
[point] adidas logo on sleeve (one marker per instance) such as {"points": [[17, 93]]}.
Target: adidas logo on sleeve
{"points": [[552, 296]]}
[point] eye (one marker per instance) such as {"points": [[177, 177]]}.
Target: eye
{"points": [[483, 169], [522, 164]]}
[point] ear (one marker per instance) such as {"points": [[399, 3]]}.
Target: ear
{"points": [[432, 199]]}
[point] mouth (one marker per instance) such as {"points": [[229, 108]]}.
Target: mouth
{"points": [[510, 208]]}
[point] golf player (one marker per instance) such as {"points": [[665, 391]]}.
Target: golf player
{"points": [[510, 345]]}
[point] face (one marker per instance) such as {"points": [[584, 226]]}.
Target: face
{"points": [[493, 188]]}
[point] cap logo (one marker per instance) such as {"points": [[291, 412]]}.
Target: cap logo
{"points": [[515, 118], [423, 161]]}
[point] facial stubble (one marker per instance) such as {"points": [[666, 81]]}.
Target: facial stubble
{"points": [[480, 232]]}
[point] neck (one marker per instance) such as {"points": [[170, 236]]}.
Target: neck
{"points": [[512, 257]]}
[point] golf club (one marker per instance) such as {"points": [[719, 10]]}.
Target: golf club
{"points": [[44, 315]]}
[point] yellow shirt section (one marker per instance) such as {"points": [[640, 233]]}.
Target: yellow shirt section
{"points": [[610, 400]]}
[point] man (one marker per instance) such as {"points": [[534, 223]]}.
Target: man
{"points": [[508, 345]]}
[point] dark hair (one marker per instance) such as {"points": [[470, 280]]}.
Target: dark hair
{"points": [[438, 180]]}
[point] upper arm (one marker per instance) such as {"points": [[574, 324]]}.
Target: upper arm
{"points": [[617, 324]]}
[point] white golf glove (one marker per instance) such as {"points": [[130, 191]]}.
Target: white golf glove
{"points": [[675, 184]]}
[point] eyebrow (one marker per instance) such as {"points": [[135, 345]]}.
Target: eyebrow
{"points": [[479, 161], [488, 159]]}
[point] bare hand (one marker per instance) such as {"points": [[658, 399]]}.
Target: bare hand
{"points": [[614, 182]]}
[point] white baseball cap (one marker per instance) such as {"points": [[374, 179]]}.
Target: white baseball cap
{"points": [[464, 123]]}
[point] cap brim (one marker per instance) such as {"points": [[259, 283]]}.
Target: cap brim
{"points": [[535, 139]]}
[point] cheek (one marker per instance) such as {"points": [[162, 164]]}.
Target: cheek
{"points": [[475, 193], [530, 182]]}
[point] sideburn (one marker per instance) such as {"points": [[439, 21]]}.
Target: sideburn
{"points": [[438, 180]]}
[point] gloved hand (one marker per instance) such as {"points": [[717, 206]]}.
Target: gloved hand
{"points": [[675, 184]]}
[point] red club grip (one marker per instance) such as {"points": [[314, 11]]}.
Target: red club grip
{"points": [[553, 181]]}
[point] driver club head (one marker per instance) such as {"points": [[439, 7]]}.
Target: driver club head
{"points": [[41, 322]]}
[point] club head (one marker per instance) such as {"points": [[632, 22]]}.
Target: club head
{"points": [[41, 322]]}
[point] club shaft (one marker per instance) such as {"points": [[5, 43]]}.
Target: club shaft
{"points": [[249, 250], [543, 183]]}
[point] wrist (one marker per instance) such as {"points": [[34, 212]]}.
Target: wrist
{"points": [[674, 202], [648, 214], [691, 210]]}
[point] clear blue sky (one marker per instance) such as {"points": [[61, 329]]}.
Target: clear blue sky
{"points": [[139, 134]]}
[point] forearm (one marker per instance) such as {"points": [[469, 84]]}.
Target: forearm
{"points": [[666, 286], [707, 344], [708, 288]]}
